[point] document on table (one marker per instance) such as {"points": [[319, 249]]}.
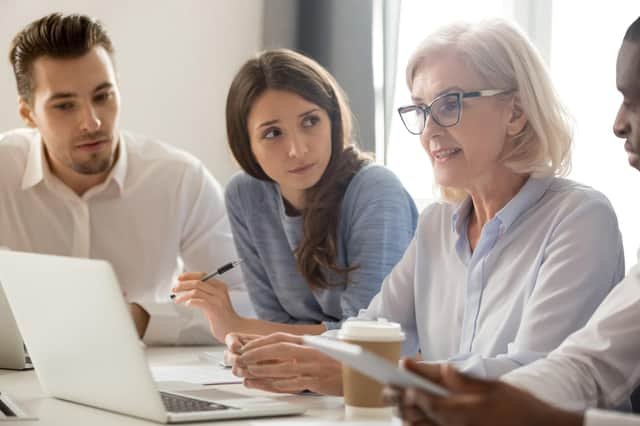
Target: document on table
{"points": [[308, 422], [196, 374]]}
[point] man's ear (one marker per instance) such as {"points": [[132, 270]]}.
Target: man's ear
{"points": [[518, 119], [26, 113]]}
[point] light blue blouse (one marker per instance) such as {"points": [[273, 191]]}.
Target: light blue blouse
{"points": [[541, 267], [376, 223]]}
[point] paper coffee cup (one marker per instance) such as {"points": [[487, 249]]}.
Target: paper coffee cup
{"points": [[362, 394]]}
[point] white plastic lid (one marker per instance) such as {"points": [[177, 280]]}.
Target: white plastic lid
{"points": [[380, 330]]}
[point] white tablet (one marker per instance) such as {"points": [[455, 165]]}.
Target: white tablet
{"points": [[373, 365]]}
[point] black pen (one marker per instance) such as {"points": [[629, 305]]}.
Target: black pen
{"points": [[221, 270]]}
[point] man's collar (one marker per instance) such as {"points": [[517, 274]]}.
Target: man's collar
{"points": [[36, 163], [38, 170], [119, 170]]}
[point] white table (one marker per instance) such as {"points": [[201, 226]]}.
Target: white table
{"points": [[24, 388]]}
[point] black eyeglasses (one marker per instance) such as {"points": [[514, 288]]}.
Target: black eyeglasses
{"points": [[445, 110]]}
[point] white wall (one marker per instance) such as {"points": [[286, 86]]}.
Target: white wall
{"points": [[280, 28], [176, 60]]}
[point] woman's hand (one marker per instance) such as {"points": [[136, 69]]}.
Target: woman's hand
{"points": [[280, 363], [212, 297], [473, 402]]}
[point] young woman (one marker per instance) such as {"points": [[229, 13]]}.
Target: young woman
{"points": [[317, 225]]}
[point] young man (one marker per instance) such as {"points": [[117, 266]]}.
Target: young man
{"points": [[75, 185], [598, 365]]}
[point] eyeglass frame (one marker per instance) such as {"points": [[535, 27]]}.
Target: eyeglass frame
{"points": [[426, 109]]}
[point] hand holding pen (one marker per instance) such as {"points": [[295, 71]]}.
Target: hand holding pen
{"points": [[199, 290], [221, 270]]}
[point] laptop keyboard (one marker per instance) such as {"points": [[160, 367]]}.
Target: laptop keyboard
{"points": [[183, 404]]}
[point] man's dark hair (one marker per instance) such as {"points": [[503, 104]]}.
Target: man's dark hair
{"points": [[633, 33], [57, 36]]}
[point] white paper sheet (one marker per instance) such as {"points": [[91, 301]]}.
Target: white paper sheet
{"points": [[199, 375], [313, 422], [306, 422]]}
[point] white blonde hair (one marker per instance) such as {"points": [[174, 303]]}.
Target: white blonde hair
{"points": [[505, 59]]}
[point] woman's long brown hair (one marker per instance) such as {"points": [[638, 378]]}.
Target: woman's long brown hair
{"points": [[286, 70]]}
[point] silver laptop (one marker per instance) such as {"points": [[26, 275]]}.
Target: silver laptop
{"points": [[85, 349], [13, 355]]}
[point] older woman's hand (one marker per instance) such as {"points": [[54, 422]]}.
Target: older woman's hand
{"points": [[235, 342], [280, 363], [473, 401]]}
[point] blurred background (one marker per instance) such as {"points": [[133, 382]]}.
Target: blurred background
{"points": [[176, 60]]}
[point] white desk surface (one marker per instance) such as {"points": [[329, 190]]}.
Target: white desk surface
{"points": [[24, 388]]}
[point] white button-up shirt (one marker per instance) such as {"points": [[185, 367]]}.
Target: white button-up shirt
{"points": [[610, 418], [541, 267], [159, 210], [597, 366]]}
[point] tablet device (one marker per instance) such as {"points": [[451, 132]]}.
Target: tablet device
{"points": [[373, 365]]}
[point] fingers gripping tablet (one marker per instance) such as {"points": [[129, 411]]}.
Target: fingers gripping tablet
{"points": [[372, 365]]}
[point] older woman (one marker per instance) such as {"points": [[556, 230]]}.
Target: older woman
{"points": [[596, 366], [514, 258]]}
